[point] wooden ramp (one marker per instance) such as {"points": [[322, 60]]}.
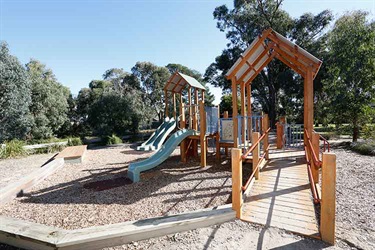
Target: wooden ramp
{"points": [[281, 197]]}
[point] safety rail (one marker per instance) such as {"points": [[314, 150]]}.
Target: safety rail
{"points": [[259, 161], [251, 149], [315, 158], [311, 179], [325, 142], [244, 187]]}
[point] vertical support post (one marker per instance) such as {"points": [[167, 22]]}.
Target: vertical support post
{"points": [[279, 135], [314, 168], [328, 199], [202, 115], [195, 120], [237, 181], [174, 106], [226, 115], [243, 112], [202, 93], [182, 126], [308, 104], [166, 102], [248, 109], [256, 136], [265, 127], [218, 135], [235, 112], [190, 109]]}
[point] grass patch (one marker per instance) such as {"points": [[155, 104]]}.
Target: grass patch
{"points": [[366, 147], [11, 149], [74, 141]]}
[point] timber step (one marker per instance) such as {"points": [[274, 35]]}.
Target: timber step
{"points": [[74, 154]]}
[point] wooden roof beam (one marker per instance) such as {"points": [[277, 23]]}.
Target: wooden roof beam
{"points": [[290, 65], [291, 59], [261, 68], [253, 65], [170, 80], [301, 56], [247, 56], [178, 84]]}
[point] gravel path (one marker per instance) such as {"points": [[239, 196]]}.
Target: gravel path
{"points": [[355, 198], [14, 169]]}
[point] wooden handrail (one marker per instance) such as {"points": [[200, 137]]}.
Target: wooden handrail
{"points": [[251, 149], [244, 187], [311, 179], [316, 160]]}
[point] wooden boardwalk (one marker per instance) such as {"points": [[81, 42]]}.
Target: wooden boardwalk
{"points": [[281, 197]]}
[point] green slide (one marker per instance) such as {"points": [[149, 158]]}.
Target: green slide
{"points": [[157, 139], [160, 156]]}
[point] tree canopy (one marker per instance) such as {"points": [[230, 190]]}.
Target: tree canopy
{"points": [[277, 88], [15, 97], [49, 105], [350, 85]]}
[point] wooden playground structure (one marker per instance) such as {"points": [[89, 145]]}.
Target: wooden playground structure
{"points": [[279, 196], [282, 190]]}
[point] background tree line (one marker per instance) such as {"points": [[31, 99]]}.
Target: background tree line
{"points": [[344, 89], [34, 105]]}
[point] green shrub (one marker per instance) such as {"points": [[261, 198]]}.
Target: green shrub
{"points": [[110, 140], [74, 141], [12, 149], [368, 131], [364, 147]]}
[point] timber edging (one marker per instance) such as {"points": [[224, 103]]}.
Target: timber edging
{"points": [[31, 235], [12, 190]]}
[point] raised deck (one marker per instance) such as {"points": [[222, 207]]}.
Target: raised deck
{"points": [[281, 197]]}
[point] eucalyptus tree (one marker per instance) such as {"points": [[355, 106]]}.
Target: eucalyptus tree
{"points": [[49, 104], [15, 97], [351, 72], [277, 88]]}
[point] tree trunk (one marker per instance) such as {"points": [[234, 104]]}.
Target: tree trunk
{"points": [[355, 129], [272, 105]]}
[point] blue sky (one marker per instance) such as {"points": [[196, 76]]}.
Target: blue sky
{"points": [[81, 39]]}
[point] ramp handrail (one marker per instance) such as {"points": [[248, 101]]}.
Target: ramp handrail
{"points": [[311, 179], [315, 158], [244, 187], [251, 149]]}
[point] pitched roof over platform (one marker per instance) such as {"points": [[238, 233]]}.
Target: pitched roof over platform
{"points": [[178, 81], [263, 49]]}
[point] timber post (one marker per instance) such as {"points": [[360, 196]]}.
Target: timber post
{"points": [[255, 138], [328, 199], [235, 113], [226, 115], [237, 181], [314, 168], [182, 126], [266, 142], [202, 133], [279, 135]]}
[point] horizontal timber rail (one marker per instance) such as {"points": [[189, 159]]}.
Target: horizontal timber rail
{"points": [[314, 157], [251, 149], [244, 187], [326, 144], [311, 179]]}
